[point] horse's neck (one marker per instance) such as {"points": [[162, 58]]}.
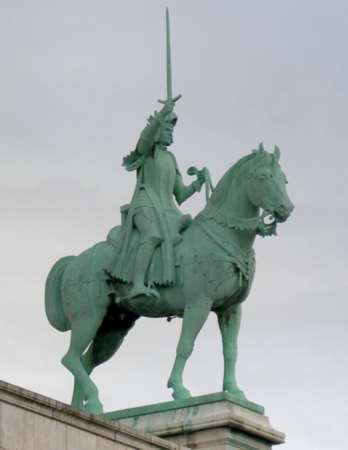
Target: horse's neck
{"points": [[236, 205]]}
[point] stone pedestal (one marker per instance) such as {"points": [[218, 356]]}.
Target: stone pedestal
{"points": [[215, 422], [30, 421]]}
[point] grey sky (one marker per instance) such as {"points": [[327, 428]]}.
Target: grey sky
{"points": [[78, 79]]}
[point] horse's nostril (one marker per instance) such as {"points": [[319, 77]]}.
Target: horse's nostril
{"points": [[287, 209]]}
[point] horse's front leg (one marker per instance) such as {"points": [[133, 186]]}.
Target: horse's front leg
{"points": [[193, 320], [229, 323]]}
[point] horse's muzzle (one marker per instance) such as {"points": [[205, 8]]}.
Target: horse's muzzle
{"points": [[282, 213]]}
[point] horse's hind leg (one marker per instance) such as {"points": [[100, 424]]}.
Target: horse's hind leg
{"points": [[83, 332], [107, 341], [194, 318], [78, 396]]}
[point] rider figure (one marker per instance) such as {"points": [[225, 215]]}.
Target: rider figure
{"points": [[152, 210]]}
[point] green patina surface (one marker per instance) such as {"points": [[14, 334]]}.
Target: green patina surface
{"points": [[187, 403]]}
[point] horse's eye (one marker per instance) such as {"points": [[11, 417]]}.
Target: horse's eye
{"points": [[284, 178]]}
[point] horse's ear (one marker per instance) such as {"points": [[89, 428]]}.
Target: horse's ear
{"points": [[261, 147], [276, 152]]}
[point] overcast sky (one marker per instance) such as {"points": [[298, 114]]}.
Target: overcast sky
{"points": [[78, 80]]}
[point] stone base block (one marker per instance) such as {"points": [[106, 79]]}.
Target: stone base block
{"points": [[215, 422], [30, 421]]}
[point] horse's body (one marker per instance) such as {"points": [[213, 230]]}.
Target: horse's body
{"points": [[214, 272]]}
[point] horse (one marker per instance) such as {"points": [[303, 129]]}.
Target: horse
{"points": [[214, 272]]}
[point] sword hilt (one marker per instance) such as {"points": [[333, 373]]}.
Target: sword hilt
{"points": [[174, 100]]}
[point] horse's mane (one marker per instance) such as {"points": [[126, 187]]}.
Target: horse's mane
{"points": [[242, 166]]}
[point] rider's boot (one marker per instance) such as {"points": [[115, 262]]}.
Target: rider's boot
{"points": [[142, 262]]}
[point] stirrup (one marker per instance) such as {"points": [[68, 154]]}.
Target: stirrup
{"points": [[144, 290]]}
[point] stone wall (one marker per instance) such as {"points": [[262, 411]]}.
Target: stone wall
{"points": [[30, 421]]}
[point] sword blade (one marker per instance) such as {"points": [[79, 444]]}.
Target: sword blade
{"points": [[169, 61]]}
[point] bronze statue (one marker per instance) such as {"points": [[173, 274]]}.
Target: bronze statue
{"points": [[160, 263], [152, 211], [146, 257]]}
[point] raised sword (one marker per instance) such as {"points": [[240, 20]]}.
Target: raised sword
{"points": [[169, 65]]}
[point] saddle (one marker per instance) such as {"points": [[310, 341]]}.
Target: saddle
{"points": [[126, 238]]}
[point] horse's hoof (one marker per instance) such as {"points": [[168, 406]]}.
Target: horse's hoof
{"points": [[181, 393], [94, 407], [236, 393]]}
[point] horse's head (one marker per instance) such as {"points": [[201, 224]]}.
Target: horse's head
{"points": [[266, 187]]}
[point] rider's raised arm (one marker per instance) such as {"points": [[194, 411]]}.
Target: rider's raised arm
{"points": [[183, 192], [150, 132]]}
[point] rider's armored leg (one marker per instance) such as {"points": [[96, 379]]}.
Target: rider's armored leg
{"points": [[149, 240], [142, 263]]}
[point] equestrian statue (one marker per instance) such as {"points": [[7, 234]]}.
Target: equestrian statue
{"points": [[161, 263]]}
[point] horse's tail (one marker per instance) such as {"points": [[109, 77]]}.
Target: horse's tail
{"points": [[53, 298]]}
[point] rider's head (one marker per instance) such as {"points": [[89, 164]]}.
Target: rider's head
{"points": [[166, 131]]}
